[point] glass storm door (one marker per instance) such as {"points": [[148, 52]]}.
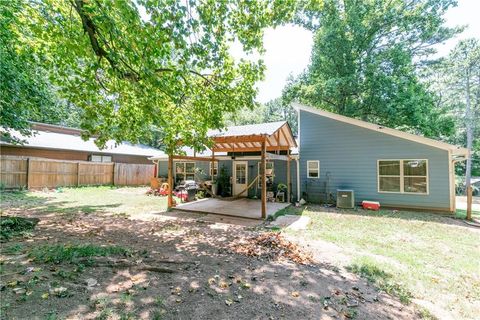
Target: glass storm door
{"points": [[240, 178]]}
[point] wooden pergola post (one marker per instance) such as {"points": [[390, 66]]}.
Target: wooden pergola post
{"points": [[213, 169], [469, 202], [264, 180], [288, 177], [170, 182]]}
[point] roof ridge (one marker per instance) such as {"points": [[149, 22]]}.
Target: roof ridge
{"points": [[381, 128]]}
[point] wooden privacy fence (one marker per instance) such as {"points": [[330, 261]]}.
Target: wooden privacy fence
{"points": [[35, 173]]}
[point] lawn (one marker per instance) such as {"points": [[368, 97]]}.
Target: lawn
{"points": [[88, 253], [57, 241], [73, 201], [428, 258]]}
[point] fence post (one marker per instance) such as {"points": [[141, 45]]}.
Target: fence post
{"points": [[113, 174], [78, 174], [28, 170], [29, 162]]}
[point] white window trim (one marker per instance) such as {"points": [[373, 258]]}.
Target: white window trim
{"points": [[402, 177], [210, 169], [185, 169], [308, 170], [102, 158]]}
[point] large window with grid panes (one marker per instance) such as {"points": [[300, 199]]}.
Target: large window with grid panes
{"points": [[184, 171], [403, 176]]}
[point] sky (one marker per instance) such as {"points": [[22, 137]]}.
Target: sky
{"points": [[288, 48]]}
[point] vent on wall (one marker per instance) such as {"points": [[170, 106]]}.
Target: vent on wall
{"points": [[345, 199]]}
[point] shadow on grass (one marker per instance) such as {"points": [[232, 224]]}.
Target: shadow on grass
{"points": [[381, 279], [462, 214], [24, 201], [208, 280], [291, 210], [443, 218], [13, 226]]}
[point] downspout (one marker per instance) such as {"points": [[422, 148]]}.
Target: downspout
{"points": [[298, 179], [452, 176]]}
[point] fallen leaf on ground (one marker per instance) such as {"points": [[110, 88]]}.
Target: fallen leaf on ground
{"points": [[271, 246]]}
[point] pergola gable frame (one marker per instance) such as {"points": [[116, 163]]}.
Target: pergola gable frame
{"points": [[281, 139]]}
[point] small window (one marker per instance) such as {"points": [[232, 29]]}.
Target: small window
{"points": [[313, 169], [403, 176], [95, 158], [415, 176], [269, 174], [215, 169], [98, 158], [389, 176]]}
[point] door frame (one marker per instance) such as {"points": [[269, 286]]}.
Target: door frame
{"points": [[234, 182]]}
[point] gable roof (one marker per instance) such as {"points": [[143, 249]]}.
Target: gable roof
{"points": [[459, 151], [248, 129], [62, 138]]}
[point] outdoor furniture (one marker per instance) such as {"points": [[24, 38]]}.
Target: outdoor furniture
{"points": [[280, 196]]}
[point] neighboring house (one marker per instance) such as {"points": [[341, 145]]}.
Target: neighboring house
{"points": [[396, 168], [62, 143]]}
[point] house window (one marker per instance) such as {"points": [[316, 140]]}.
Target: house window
{"points": [[98, 158], [403, 176], [184, 171], [313, 169], [215, 169], [268, 173]]}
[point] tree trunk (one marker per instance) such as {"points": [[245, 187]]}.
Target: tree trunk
{"points": [[469, 129]]}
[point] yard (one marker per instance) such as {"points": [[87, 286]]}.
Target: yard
{"points": [[429, 259], [115, 253]]}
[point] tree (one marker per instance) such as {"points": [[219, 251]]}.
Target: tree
{"points": [[365, 58], [272, 111], [456, 79], [130, 65], [25, 92]]}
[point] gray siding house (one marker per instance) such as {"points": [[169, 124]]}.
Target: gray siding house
{"points": [[392, 167], [397, 169]]}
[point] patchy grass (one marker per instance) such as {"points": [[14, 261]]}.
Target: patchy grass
{"points": [[69, 202], [70, 253], [285, 211], [11, 226], [367, 268], [428, 256], [462, 214]]}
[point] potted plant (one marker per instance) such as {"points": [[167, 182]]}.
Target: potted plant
{"points": [[282, 187]]}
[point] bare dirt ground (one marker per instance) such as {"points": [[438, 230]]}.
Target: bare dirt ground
{"points": [[208, 280]]}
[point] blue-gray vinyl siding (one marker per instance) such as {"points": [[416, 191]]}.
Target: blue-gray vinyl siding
{"points": [[348, 155], [203, 171]]}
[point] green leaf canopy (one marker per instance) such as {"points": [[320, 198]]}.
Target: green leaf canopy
{"points": [[133, 64]]}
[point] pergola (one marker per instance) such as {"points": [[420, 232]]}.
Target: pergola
{"points": [[274, 141]]}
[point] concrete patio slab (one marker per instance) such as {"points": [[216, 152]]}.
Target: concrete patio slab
{"points": [[291, 222], [243, 207]]}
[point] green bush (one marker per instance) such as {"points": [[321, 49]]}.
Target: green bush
{"points": [[12, 226]]}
